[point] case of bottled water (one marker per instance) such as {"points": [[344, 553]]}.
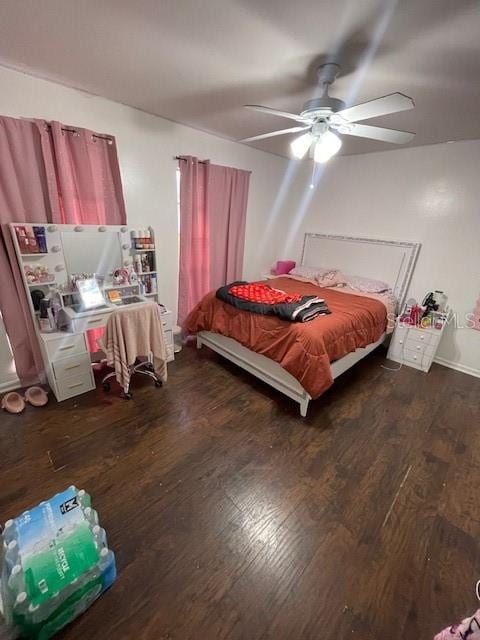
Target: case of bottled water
{"points": [[55, 563]]}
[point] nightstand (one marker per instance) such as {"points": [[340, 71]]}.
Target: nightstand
{"points": [[414, 346]]}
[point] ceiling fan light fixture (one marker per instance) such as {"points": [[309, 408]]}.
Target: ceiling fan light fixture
{"points": [[301, 145], [327, 146]]}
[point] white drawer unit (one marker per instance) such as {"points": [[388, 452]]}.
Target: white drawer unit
{"points": [[69, 344], [68, 367], [90, 322], [76, 384], [167, 324], [413, 346]]}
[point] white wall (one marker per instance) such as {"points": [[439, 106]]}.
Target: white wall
{"points": [[146, 147], [429, 194]]}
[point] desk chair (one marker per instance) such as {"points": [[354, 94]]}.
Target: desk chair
{"points": [[133, 332]]}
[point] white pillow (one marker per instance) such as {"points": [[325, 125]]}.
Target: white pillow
{"points": [[321, 276], [366, 285]]}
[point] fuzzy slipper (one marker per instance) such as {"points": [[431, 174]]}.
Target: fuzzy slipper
{"points": [[36, 396], [13, 402]]}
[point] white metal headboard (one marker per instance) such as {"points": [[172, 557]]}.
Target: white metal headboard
{"points": [[391, 261]]}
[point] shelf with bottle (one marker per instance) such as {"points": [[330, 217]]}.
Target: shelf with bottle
{"points": [[31, 239], [143, 239]]}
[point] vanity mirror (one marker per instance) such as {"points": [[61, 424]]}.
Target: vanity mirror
{"points": [[92, 252]]}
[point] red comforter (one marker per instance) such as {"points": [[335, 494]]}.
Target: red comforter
{"points": [[303, 349]]}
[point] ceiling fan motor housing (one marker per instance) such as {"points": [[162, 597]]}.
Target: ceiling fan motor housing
{"points": [[321, 107]]}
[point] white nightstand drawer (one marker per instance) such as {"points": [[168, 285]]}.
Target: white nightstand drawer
{"points": [[420, 347], [421, 336], [412, 356], [72, 367], [68, 345], [73, 386]]}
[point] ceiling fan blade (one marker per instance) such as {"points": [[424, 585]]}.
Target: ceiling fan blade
{"points": [[379, 107], [280, 132], [376, 133], [276, 112]]}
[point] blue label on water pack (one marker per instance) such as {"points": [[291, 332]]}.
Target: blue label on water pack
{"points": [[54, 518]]}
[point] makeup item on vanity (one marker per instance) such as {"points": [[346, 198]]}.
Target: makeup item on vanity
{"points": [[46, 320], [40, 237], [283, 267], [32, 245], [148, 239], [132, 275], [153, 280], [21, 234], [134, 237], [37, 296], [114, 296], [138, 264], [145, 263]]}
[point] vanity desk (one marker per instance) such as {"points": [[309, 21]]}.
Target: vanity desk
{"points": [[50, 258]]}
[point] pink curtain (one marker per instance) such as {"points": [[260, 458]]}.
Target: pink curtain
{"points": [[89, 183], [25, 196], [88, 176], [49, 173], [213, 208]]}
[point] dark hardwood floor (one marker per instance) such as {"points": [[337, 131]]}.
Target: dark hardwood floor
{"points": [[232, 517]]}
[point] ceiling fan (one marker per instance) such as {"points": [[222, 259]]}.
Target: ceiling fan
{"points": [[323, 118]]}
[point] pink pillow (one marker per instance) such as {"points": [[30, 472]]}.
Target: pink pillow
{"points": [[366, 285], [323, 277]]}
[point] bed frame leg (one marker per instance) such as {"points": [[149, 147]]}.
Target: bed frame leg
{"points": [[199, 342], [304, 407]]}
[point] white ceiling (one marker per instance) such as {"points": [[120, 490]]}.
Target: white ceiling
{"points": [[197, 61]]}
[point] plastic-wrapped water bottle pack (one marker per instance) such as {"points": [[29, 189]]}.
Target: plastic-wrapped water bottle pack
{"points": [[55, 563]]}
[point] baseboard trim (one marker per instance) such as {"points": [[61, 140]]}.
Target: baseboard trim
{"points": [[9, 386], [458, 367]]}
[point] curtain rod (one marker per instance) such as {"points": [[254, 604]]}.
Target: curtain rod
{"points": [[94, 135], [185, 160], [206, 162]]}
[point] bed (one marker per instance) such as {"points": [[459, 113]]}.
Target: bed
{"points": [[301, 360]]}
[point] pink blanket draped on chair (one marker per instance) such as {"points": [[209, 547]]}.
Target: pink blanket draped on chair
{"points": [[133, 332]]}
